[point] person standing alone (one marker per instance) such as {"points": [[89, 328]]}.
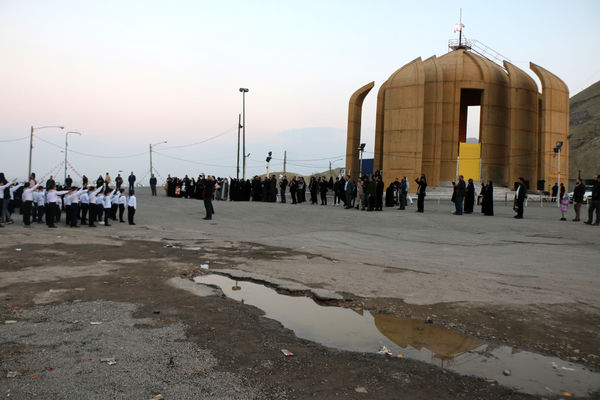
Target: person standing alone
{"points": [[131, 180], [461, 190], [153, 184], [209, 190], [520, 196]]}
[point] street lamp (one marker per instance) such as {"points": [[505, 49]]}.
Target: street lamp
{"points": [[155, 144], [269, 162], [557, 149], [66, 136], [244, 91], [361, 148], [31, 143]]}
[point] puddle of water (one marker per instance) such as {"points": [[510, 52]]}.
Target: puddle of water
{"points": [[362, 331]]}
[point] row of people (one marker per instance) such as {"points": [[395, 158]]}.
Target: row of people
{"points": [[38, 203]]}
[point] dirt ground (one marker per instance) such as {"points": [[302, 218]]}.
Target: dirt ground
{"points": [[243, 345]]}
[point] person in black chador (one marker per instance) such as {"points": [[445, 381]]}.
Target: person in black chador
{"points": [[379, 193], [323, 185], [209, 191], [390, 196], [293, 189], [282, 187], [313, 186], [301, 190], [273, 189], [421, 193], [469, 197], [487, 198]]}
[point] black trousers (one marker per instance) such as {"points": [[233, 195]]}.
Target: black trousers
{"points": [[106, 216], [84, 211], [379, 203], [421, 203], [99, 212], [153, 188], [323, 198], [68, 215], [121, 211], [209, 208], [293, 193], [113, 211], [92, 209], [26, 206], [130, 214], [520, 208], [50, 213], [74, 214], [40, 213]]}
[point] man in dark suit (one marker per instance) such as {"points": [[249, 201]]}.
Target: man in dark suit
{"points": [[348, 189], [209, 192], [378, 193], [131, 180], [520, 196], [153, 185]]}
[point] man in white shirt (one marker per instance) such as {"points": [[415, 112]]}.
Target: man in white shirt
{"points": [[131, 207], [4, 214], [122, 203], [114, 204], [84, 203], [27, 203], [51, 205], [93, 208], [74, 198], [41, 204]]}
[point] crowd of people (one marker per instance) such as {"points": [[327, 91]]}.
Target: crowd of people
{"points": [[45, 202], [366, 193]]}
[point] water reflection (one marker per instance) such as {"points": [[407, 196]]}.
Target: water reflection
{"points": [[359, 330]]}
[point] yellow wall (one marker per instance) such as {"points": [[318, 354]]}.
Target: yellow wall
{"points": [[469, 160]]}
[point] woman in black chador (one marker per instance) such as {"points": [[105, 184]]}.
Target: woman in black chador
{"points": [[390, 197], [487, 198], [313, 186], [469, 197]]}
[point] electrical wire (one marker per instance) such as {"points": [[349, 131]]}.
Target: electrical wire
{"points": [[92, 155], [229, 130], [13, 140]]}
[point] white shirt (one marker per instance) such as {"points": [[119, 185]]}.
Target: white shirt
{"points": [[52, 195], [93, 194], [122, 199], [12, 190], [41, 198], [114, 197], [99, 199], [28, 193], [67, 200], [84, 198], [132, 202], [106, 201], [74, 197], [2, 187]]}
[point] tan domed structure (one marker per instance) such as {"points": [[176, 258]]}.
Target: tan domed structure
{"points": [[422, 120]]}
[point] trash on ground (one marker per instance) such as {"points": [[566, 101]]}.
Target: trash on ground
{"points": [[507, 372], [491, 381], [95, 323], [428, 320], [204, 266], [10, 321], [156, 311], [360, 389], [385, 350], [34, 377], [158, 397], [108, 360], [18, 249], [554, 365], [12, 374], [287, 353], [567, 368], [566, 394], [400, 355]]}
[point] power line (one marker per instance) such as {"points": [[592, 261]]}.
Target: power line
{"points": [[91, 155], [229, 130], [14, 140], [192, 161]]}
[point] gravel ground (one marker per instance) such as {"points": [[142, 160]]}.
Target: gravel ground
{"points": [[60, 355]]}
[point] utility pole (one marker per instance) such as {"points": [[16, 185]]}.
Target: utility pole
{"points": [[66, 145], [330, 173], [150, 159], [284, 160], [238, 150], [31, 144], [244, 91]]}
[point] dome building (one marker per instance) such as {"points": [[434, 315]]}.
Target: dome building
{"points": [[421, 122]]}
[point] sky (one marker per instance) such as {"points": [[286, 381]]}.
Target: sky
{"points": [[127, 74]]}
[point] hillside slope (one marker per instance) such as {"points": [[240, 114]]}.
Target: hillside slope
{"points": [[585, 133]]}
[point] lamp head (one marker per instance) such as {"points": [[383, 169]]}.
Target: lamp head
{"points": [[559, 144], [243, 90]]}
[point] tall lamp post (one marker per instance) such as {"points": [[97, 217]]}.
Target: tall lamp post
{"points": [[66, 145], [155, 144], [31, 143], [361, 148], [557, 150], [244, 91]]}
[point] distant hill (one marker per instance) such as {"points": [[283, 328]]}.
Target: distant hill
{"points": [[334, 173], [585, 133]]}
